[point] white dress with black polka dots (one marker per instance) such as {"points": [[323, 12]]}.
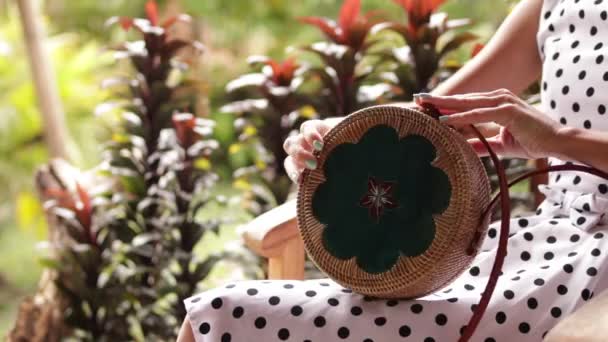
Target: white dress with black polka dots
{"points": [[556, 259]]}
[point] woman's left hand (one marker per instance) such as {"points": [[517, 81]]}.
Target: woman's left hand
{"points": [[513, 128]]}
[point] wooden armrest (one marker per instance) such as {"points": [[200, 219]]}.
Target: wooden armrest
{"points": [[275, 235], [589, 323]]}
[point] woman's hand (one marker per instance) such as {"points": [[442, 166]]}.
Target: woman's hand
{"points": [[299, 147], [513, 128]]}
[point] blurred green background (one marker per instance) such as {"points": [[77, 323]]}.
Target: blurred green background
{"points": [[231, 31]]}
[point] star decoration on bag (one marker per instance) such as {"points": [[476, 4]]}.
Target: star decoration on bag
{"points": [[379, 196]]}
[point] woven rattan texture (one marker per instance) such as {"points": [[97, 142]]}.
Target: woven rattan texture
{"points": [[450, 252]]}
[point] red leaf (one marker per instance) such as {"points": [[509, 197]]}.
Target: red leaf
{"points": [[184, 124], [85, 212], [326, 26], [476, 49], [126, 23], [152, 12], [349, 13]]}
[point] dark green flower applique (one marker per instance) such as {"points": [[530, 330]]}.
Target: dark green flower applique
{"points": [[379, 198]]}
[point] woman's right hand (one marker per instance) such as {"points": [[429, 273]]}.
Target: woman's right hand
{"points": [[299, 147]]}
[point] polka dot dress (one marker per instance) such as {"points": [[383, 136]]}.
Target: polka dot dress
{"points": [[556, 258]]}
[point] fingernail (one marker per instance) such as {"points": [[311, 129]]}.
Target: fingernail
{"points": [[443, 118], [294, 177], [311, 164], [317, 145], [422, 96]]}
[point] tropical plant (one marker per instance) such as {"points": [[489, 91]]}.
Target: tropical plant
{"points": [[421, 63], [131, 263]]}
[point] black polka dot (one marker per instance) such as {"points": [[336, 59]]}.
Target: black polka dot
{"points": [[590, 91], [582, 74], [226, 337], [548, 256], [474, 271], [581, 14], [571, 28], [532, 303], [571, 254], [509, 294], [524, 327], [204, 328], [380, 321], [565, 90], [604, 15], [576, 59], [217, 303], [539, 282], [343, 332], [324, 284], [196, 300], [599, 59], [556, 312], [333, 302], [603, 189], [319, 321], [547, 14], [296, 310], [528, 236], [489, 339], [592, 271], [283, 334], [492, 233], [593, 30], [516, 278], [238, 312], [229, 286], [453, 300], [563, 121], [288, 286], [260, 322], [441, 319], [576, 180], [551, 239], [525, 256], [586, 294], [429, 339], [581, 220], [575, 238], [501, 317], [356, 310], [416, 308], [601, 109], [252, 292], [562, 289], [559, 73], [405, 331], [545, 267], [347, 291], [469, 287], [274, 300], [568, 268], [576, 107], [598, 46], [597, 2], [392, 303]]}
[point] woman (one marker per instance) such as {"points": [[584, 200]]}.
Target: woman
{"points": [[556, 258]]}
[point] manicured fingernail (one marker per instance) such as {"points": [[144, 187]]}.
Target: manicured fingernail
{"points": [[317, 145], [422, 96], [311, 164], [443, 118]]}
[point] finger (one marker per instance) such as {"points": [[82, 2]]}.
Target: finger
{"points": [[500, 115], [481, 150], [312, 131], [468, 101], [292, 170], [295, 142], [489, 129]]}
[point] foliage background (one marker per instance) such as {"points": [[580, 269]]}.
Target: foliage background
{"points": [[231, 30]]}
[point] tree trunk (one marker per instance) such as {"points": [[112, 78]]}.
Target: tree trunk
{"points": [[54, 128]]}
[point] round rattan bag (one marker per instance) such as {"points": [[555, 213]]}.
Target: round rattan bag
{"points": [[395, 206]]}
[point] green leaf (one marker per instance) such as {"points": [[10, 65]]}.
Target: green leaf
{"points": [[456, 42]]}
